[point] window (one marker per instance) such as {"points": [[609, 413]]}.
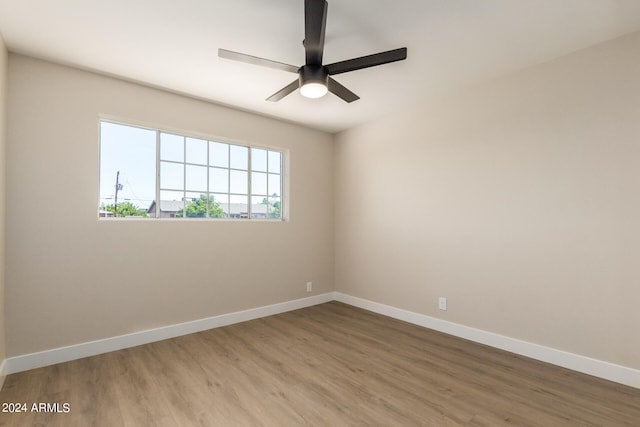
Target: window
{"points": [[190, 177]]}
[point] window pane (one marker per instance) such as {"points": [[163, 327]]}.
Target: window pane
{"points": [[258, 160], [275, 207], [218, 154], [171, 147], [131, 151], [259, 207], [239, 157], [275, 162], [259, 183], [196, 151], [238, 207], [215, 210], [274, 185], [239, 182], [195, 205], [171, 204], [219, 205], [171, 176], [219, 180], [196, 178]]}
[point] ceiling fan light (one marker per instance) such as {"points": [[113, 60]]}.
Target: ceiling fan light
{"points": [[313, 90]]}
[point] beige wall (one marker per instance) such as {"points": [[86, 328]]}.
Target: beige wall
{"points": [[519, 201], [72, 278], [3, 133]]}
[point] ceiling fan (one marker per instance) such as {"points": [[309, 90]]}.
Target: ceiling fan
{"points": [[314, 79]]}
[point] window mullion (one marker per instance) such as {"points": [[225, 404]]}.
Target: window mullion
{"points": [[249, 185], [157, 174], [208, 193], [184, 177], [229, 181]]}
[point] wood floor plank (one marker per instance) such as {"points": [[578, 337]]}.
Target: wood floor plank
{"points": [[327, 365]]}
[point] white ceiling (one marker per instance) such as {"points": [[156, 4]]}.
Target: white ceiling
{"points": [[173, 45]]}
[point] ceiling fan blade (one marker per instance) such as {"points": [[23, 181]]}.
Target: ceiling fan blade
{"points": [[367, 61], [315, 22], [242, 57], [341, 91], [284, 91]]}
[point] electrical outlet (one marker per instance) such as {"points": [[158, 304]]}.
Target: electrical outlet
{"points": [[309, 286], [442, 303]]}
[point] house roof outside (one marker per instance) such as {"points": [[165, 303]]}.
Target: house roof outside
{"points": [[167, 206]]}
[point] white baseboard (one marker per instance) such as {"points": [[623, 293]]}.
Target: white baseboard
{"points": [[575, 362], [597, 368], [92, 348]]}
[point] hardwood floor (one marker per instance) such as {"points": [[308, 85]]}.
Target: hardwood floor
{"points": [[328, 365]]}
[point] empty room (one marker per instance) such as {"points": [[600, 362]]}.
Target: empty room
{"points": [[323, 213]]}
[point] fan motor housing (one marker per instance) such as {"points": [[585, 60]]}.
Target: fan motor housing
{"points": [[313, 74]]}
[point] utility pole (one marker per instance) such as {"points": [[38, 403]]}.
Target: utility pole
{"points": [[115, 200]]}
